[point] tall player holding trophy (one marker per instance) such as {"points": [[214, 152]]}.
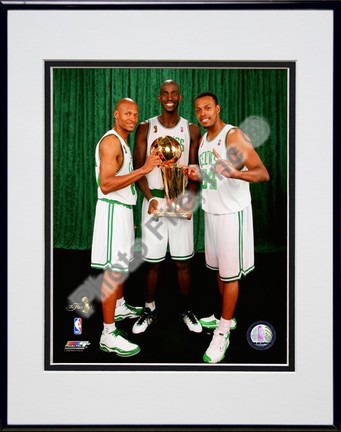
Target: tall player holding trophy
{"points": [[174, 232]]}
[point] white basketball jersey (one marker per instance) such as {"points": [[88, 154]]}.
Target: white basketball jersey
{"points": [[180, 132], [128, 194], [220, 195]]}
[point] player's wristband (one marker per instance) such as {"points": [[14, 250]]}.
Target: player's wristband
{"points": [[151, 199]]}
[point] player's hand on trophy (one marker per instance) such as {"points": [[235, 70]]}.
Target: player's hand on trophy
{"points": [[186, 203], [179, 205], [153, 205], [225, 167], [190, 202], [193, 172], [152, 161]]}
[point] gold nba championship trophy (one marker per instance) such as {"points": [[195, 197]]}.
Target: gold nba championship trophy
{"points": [[174, 178]]}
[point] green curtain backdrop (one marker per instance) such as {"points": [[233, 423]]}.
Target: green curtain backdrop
{"points": [[83, 103]]}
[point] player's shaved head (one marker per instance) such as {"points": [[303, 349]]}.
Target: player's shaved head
{"points": [[124, 101], [167, 82]]}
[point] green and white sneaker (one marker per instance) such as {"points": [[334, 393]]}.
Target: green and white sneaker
{"points": [[114, 342], [215, 353], [212, 322], [127, 311], [191, 321], [148, 317]]}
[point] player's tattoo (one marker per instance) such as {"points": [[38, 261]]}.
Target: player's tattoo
{"points": [[236, 156]]}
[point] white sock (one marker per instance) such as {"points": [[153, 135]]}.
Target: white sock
{"points": [[151, 305], [108, 328], [224, 325], [120, 302]]}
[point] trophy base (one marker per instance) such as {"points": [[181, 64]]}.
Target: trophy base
{"points": [[171, 214]]}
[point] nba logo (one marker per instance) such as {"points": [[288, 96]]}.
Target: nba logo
{"points": [[77, 326]]}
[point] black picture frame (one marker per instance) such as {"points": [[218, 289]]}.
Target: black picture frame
{"points": [[5, 7]]}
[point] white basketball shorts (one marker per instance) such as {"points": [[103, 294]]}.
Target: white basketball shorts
{"points": [[165, 233], [229, 244], [113, 236]]}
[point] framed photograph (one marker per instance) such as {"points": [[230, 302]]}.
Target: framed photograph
{"points": [[272, 84], [272, 70]]}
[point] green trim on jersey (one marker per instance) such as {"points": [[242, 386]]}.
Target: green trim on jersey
{"points": [[240, 236], [158, 193], [178, 258], [182, 258], [152, 260], [111, 212], [241, 273], [108, 266], [232, 278], [241, 244], [129, 206]]}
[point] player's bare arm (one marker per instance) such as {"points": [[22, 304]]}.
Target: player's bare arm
{"points": [[139, 155], [193, 172], [241, 153], [193, 161], [195, 136], [194, 144], [111, 160]]}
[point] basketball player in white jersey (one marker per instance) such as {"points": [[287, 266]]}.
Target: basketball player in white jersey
{"points": [[175, 233], [113, 236], [228, 163]]}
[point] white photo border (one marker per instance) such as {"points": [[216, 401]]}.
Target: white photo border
{"points": [[308, 40]]}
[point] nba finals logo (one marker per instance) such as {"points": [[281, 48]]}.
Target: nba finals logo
{"points": [[77, 326]]}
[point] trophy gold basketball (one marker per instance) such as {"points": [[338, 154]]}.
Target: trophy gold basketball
{"points": [[174, 178]]}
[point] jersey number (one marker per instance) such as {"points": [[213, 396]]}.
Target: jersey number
{"points": [[209, 180]]}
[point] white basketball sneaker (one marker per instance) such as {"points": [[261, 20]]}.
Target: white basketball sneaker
{"points": [[147, 317], [114, 342], [127, 311], [215, 353], [212, 322], [191, 321]]}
